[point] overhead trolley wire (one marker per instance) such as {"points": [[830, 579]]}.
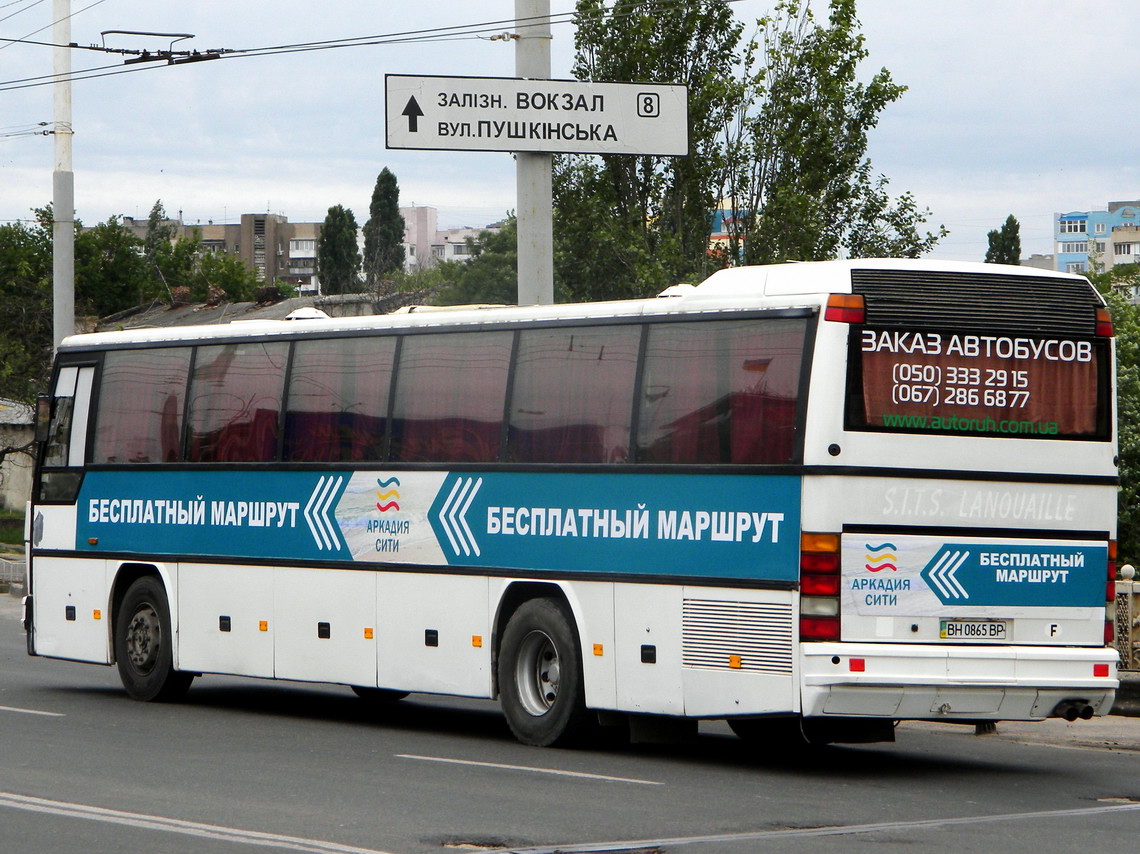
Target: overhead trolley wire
{"points": [[18, 11], [46, 26], [430, 35]]}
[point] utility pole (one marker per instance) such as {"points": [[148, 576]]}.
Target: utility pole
{"points": [[63, 181], [533, 172]]}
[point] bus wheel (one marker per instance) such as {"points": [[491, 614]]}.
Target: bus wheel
{"points": [[142, 644], [378, 695], [540, 675]]}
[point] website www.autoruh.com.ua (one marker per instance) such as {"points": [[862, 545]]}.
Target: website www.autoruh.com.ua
{"points": [[954, 424]]}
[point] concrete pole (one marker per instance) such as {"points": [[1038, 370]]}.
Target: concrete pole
{"points": [[63, 182], [534, 186]]}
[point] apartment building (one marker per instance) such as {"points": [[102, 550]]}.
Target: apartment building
{"points": [[285, 251], [1097, 239]]}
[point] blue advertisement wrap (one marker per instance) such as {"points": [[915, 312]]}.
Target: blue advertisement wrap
{"points": [[1030, 575], [731, 527], [227, 513], [725, 527]]}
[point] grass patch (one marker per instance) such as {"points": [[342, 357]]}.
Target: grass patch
{"points": [[11, 528]]}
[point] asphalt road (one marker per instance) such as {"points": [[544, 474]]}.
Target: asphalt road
{"points": [[245, 765]]}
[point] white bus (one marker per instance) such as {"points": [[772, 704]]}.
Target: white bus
{"points": [[835, 494]]}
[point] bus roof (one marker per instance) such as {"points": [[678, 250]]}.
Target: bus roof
{"points": [[737, 288]]}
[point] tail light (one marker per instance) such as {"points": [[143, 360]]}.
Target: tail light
{"points": [[1103, 323], [845, 308], [819, 587]]}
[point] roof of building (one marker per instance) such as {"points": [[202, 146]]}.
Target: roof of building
{"points": [[14, 412], [160, 314]]}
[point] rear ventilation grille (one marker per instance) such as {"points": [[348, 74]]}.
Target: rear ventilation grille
{"points": [[977, 302], [737, 636]]}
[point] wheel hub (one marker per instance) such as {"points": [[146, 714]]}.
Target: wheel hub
{"points": [[538, 673], [144, 637]]}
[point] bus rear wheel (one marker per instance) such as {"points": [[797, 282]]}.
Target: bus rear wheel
{"points": [[142, 644], [540, 675]]}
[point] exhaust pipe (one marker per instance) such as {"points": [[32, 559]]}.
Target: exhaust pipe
{"points": [[1071, 710]]}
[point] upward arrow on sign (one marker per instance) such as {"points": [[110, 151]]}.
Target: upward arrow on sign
{"points": [[413, 112]]}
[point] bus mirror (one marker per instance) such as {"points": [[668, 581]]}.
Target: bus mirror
{"points": [[43, 417]]}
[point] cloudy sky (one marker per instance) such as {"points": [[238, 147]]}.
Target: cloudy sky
{"points": [[1014, 106]]}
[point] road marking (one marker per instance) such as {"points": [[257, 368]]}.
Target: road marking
{"points": [[32, 712], [798, 832], [557, 772], [174, 825]]}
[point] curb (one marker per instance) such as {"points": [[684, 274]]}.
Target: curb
{"points": [[1128, 696]]}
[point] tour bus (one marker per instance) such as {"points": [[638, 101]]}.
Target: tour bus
{"points": [[828, 496]]}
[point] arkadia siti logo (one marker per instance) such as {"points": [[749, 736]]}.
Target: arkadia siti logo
{"points": [[880, 557], [388, 495]]}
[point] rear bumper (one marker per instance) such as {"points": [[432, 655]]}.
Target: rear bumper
{"points": [[920, 682]]}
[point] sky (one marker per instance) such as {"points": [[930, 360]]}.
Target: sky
{"points": [[1022, 107]]}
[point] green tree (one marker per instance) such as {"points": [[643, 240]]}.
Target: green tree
{"points": [[186, 271], [160, 233], [492, 274], [797, 176], [338, 258], [1005, 244], [882, 227], [383, 233], [1120, 285], [26, 322], [110, 273], [778, 128], [227, 273], [626, 226]]}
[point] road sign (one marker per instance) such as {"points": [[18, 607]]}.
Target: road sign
{"points": [[510, 114]]}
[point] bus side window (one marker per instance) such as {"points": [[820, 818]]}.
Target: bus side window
{"points": [[721, 392], [337, 409], [573, 387], [142, 396], [235, 402], [450, 392]]}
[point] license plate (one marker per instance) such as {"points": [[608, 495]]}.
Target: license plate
{"points": [[979, 630]]}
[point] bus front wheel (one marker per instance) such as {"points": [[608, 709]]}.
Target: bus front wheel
{"points": [[142, 644], [540, 675]]}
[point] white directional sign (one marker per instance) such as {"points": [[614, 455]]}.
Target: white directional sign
{"points": [[509, 114]]}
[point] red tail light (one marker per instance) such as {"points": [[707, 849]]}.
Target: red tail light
{"points": [[845, 308], [1103, 323], [819, 628], [819, 586]]}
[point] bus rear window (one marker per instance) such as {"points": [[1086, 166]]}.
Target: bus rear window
{"points": [[940, 382]]}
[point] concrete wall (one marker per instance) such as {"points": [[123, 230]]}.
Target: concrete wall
{"points": [[16, 470]]}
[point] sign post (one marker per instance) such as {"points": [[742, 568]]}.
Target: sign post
{"points": [[534, 172]]}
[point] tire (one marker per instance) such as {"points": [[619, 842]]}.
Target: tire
{"points": [[378, 695], [540, 676], [143, 644]]}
